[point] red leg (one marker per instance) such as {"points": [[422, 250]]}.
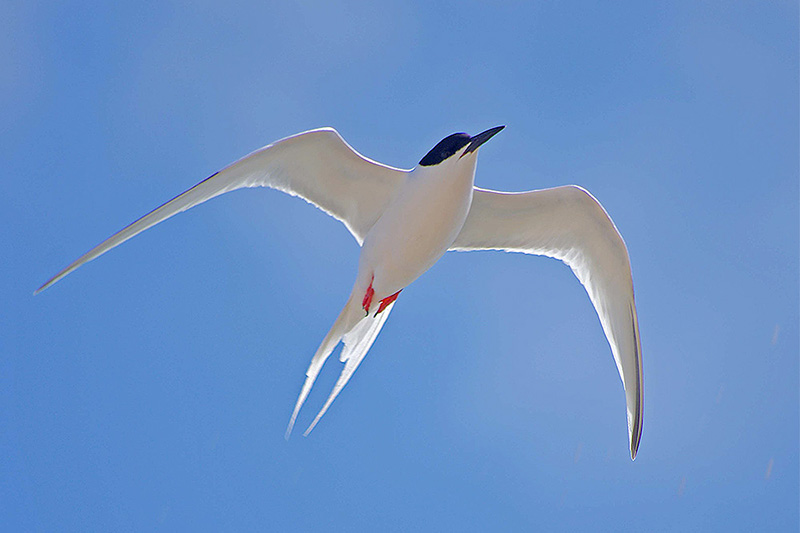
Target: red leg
{"points": [[367, 301], [386, 302]]}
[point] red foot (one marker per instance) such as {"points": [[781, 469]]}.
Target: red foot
{"points": [[386, 302], [367, 301]]}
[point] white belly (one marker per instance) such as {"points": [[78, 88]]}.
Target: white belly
{"points": [[416, 230]]}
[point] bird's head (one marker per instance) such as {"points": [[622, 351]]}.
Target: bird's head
{"points": [[458, 145]]}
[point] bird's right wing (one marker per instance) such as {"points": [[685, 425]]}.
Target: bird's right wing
{"points": [[317, 165], [567, 223]]}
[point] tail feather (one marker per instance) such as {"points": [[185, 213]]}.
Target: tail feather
{"points": [[357, 343], [347, 319], [358, 333]]}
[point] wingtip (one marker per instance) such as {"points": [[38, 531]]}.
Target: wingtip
{"points": [[636, 437], [40, 289], [49, 282]]}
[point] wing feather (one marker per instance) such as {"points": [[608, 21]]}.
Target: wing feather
{"points": [[317, 165], [569, 224]]}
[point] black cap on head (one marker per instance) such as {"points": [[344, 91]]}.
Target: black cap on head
{"points": [[455, 142], [446, 147]]}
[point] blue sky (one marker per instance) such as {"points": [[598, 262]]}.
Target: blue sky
{"points": [[150, 389]]}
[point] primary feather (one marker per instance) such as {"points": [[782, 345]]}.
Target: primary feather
{"points": [[569, 224], [317, 165]]}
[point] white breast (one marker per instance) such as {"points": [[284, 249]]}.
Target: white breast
{"points": [[418, 227]]}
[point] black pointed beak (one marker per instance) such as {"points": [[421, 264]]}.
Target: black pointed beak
{"points": [[481, 138]]}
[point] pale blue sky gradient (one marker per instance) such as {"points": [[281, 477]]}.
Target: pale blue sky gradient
{"points": [[150, 389]]}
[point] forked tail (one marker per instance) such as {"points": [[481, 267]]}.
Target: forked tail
{"points": [[358, 332]]}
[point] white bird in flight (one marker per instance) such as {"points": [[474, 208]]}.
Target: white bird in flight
{"points": [[405, 220]]}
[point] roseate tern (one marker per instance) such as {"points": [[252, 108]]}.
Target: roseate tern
{"points": [[405, 220]]}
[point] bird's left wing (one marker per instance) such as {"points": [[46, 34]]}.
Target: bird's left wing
{"points": [[317, 165], [567, 223]]}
